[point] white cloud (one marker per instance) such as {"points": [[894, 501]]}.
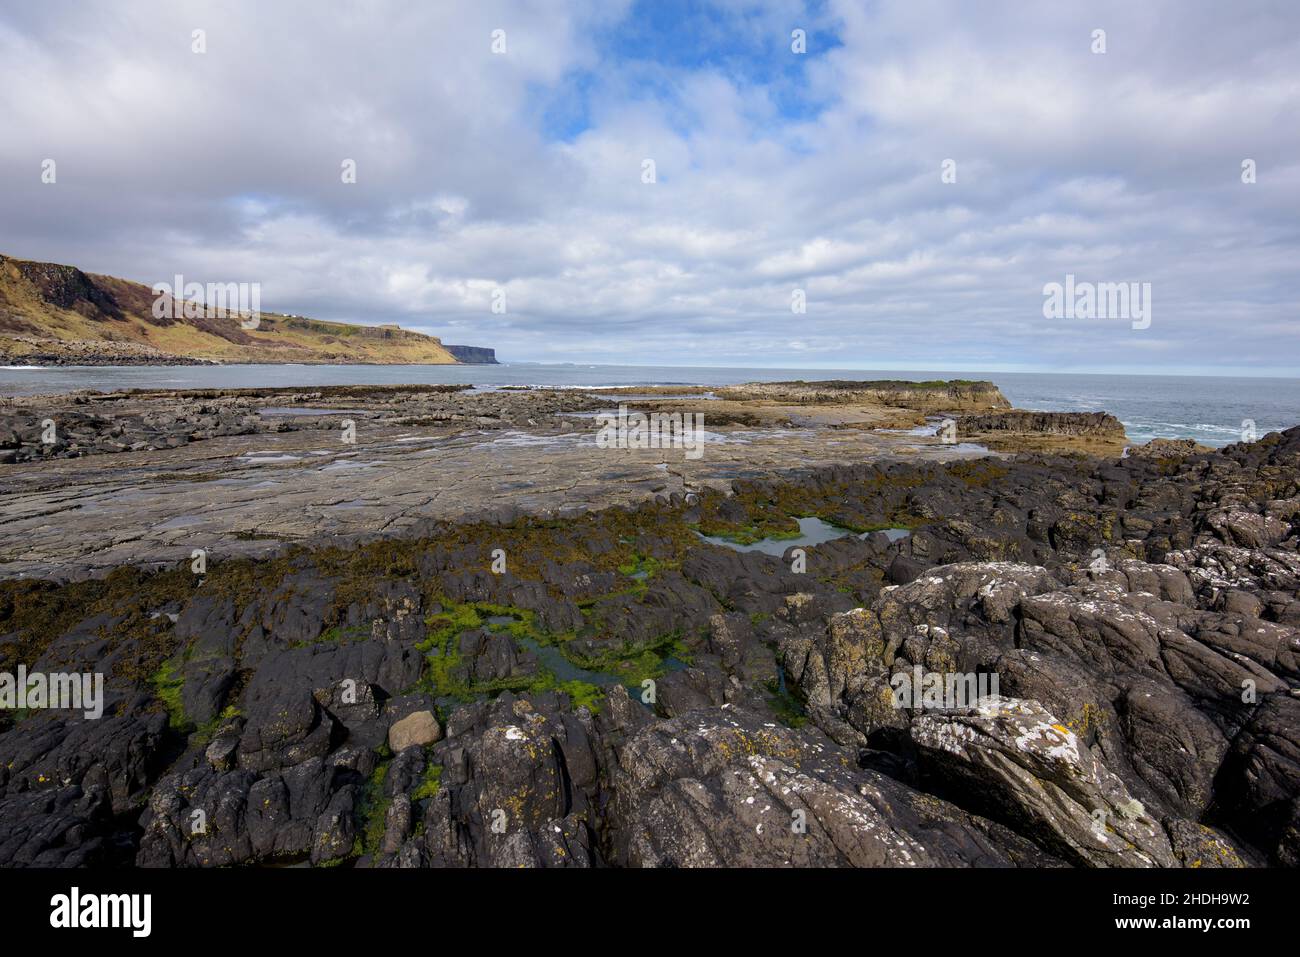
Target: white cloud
{"points": [[1123, 166]]}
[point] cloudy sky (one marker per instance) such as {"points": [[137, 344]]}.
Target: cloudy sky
{"points": [[523, 171]]}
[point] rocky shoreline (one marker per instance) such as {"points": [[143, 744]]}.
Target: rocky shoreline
{"points": [[244, 472], [41, 353], [597, 675]]}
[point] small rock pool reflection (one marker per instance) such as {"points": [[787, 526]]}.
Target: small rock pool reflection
{"points": [[812, 531]]}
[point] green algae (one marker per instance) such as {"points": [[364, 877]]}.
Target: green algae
{"points": [[430, 784], [168, 686], [371, 812], [786, 704], [207, 730], [639, 544], [443, 679]]}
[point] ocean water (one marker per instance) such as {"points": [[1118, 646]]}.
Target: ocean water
{"points": [[1210, 409]]}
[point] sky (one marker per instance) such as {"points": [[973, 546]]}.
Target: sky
{"points": [[918, 174]]}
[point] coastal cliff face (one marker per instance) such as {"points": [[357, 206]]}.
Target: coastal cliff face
{"points": [[58, 315], [473, 355]]}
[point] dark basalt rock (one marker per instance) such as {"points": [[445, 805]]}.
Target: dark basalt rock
{"points": [[728, 788], [1141, 617], [1261, 779], [1053, 423], [517, 785], [63, 827]]}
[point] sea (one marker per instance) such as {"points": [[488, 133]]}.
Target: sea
{"points": [[1213, 410]]}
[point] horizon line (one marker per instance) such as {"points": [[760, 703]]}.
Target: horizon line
{"points": [[911, 369]]}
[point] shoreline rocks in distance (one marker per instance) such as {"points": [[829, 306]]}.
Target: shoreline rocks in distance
{"points": [[1024, 430], [93, 354], [956, 395]]}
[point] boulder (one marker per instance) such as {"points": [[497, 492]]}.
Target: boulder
{"points": [[415, 730]]}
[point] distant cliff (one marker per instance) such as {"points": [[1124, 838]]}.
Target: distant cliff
{"points": [[476, 355], [59, 315]]}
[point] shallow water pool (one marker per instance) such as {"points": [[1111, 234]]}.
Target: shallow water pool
{"points": [[812, 531]]}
